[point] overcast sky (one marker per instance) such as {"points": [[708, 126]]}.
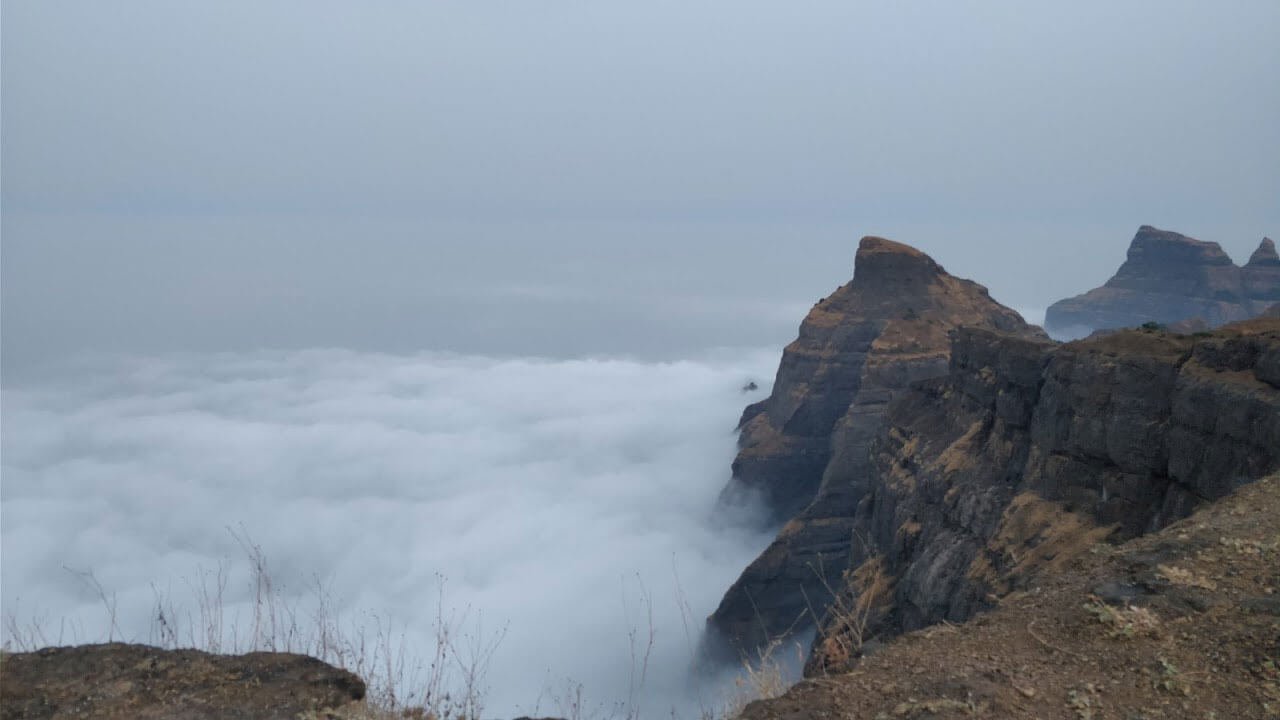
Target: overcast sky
{"points": [[564, 178]]}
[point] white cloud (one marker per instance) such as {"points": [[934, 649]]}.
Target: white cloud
{"points": [[547, 493]]}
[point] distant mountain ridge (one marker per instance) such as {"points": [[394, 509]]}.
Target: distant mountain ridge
{"points": [[1169, 278]]}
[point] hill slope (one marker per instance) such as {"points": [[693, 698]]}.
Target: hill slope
{"points": [[1183, 623]]}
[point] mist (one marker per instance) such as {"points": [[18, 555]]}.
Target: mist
{"points": [[416, 294], [556, 503]]}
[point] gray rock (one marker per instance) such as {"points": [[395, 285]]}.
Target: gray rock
{"points": [[1170, 278]]}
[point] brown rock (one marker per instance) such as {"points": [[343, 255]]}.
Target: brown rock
{"points": [[117, 681], [1026, 455], [803, 449], [1061, 651]]}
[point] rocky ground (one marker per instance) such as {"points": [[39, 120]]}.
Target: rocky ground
{"points": [[1183, 623], [117, 681]]}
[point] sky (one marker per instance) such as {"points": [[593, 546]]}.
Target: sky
{"points": [[576, 178]]}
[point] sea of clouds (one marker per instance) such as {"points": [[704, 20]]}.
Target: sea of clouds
{"points": [[567, 507]]}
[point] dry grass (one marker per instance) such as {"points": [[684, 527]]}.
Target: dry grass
{"points": [[1035, 536], [450, 684], [762, 679], [442, 677], [851, 612], [1124, 622]]}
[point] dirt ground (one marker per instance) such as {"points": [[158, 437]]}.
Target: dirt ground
{"points": [[1184, 623], [117, 681]]}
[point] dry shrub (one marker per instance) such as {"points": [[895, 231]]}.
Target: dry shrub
{"points": [[1124, 622], [851, 612]]}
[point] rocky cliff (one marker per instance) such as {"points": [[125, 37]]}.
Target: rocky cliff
{"points": [[1168, 278], [804, 448], [1027, 454], [1176, 624]]}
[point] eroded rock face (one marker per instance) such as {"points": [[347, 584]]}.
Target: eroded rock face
{"points": [[117, 681], [804, 448], [1027, 454], [1158, 626], [1168, 278]]}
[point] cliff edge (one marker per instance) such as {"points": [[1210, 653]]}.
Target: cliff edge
{"points": [[1178, 624], [1027, 455], [804, 448]]}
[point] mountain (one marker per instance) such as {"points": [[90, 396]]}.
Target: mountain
{"points": [[803, 450], [1176, 624], [1027, 455], [1167, 278]]}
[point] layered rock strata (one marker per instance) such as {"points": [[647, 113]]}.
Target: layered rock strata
{"points": [[1176, 624], [1027, 454], [1167, 278], [804, 448]]}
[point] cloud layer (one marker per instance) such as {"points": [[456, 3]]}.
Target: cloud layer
{"points": [[553, 496]]}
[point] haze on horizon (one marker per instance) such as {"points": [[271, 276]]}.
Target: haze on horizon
{"points": [[568, 178]]}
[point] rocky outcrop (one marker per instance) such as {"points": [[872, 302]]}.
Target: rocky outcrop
{"points": [[1169, 278], [117, 681], [1175, 624], [804, 448], [1027, 454], [1261, 275]]}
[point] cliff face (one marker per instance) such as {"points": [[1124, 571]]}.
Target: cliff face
{"points": [[1169, 278], [1027, 454], [804, 448], [1176, 624]]}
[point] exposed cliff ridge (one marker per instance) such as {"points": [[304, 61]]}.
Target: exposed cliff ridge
{"points": [[1027, 454], [1175, 624], [1167, 278], [804, 448]]}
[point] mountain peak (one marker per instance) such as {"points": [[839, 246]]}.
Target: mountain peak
{"points": [[1265, 254], [1155, 247], [880, 261], [1168, 277]]}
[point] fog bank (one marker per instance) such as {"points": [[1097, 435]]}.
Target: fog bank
{"points": [[559, 499]]}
